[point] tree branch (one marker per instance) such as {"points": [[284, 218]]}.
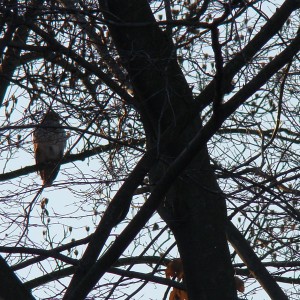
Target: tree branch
{"points": [[253, 263], [11, 288], [12, 56], [70, 158], [56, 46], [271, 28]]}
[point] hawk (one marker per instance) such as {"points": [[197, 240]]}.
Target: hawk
{"points": [[49, 142]]}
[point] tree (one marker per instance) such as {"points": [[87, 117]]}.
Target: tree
{"points": [[130, 80]]}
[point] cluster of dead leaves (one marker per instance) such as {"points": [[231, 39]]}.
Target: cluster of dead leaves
{"points": [[175, 270]]}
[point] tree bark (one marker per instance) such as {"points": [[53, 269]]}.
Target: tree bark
{"points": [[194, 208]]}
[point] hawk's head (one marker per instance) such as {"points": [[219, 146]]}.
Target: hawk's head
{"points": [[51, 116]]}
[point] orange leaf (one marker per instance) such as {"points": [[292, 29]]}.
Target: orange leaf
{"points": [[172, 296], [177, 294], [239, 284], [174, 269]]}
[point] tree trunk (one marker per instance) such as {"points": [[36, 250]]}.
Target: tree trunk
{"points": [[194, 208]]}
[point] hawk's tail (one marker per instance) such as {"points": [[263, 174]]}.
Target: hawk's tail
{"points": [[49, 172]]}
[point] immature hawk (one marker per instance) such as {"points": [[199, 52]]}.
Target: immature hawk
{"points": [[49, 144]]}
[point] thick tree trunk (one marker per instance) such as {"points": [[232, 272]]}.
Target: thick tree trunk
{"points": [[194, 208]]}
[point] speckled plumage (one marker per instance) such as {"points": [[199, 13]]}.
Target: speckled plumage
{"points": [[49, 145]]}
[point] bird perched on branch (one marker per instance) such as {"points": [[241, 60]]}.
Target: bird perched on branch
{"points": [[49, 142]]}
